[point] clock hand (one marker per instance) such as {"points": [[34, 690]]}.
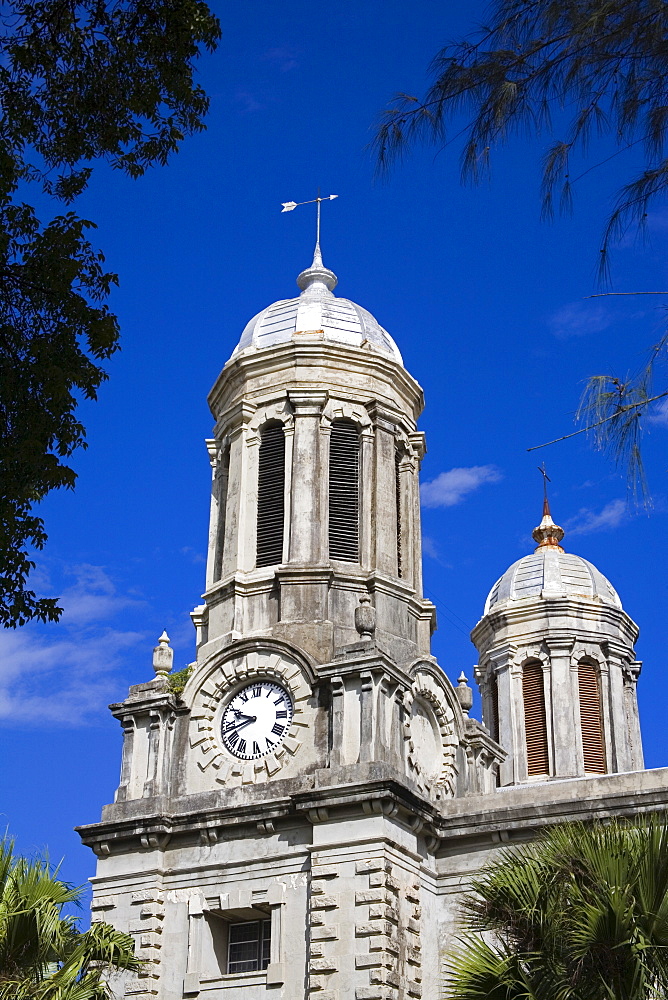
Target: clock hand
{"points": [[237, 726]]}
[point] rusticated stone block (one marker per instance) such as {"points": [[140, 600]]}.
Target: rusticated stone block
{"points": [[317, 917], [385, 912], [377, 895], [324, 871], [325, 933], [323, 965], [324, 902], [370, 961]]}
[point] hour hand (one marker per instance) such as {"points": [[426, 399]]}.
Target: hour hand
{"points": [[239, 725], [240, 715]]}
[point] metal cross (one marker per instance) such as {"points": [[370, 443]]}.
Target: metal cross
{"points": [[546, 479], [290, 206]]}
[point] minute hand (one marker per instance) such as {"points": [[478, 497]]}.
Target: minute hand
{"points": [[240, 725]]}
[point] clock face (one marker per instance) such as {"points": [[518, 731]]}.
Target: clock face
{"points": [[256, 720]]}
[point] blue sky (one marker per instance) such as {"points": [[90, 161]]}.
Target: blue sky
{"points": [[486, 302]]}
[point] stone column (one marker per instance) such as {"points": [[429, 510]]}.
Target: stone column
{"points": [[128, 724], [214, 545], [241, 506], [510, 736], [366, 498], [306, 534], [419, 449], [614, 715], [631, 673], [385, 547], [564, 714]]}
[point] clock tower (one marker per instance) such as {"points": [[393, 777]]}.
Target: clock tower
{"points": [[295, 816]]}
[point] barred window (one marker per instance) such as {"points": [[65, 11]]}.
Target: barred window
{"points": [[535, 722], [270, 496], [593, 746], [344, 448], [249, 946]]}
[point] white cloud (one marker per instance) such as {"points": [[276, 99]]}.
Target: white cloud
{"points": [[55, 677], [451, 487], [588, 520], [577, 319], [67, 672], [659, 413], [284, 59], [429, 547], [93, 597]]}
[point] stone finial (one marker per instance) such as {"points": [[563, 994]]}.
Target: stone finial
{"points": [[365, 617], [464, 693], [163, 656], [548, 534]]}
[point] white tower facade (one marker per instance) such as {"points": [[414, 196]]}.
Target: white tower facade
{"points": [[298, 820]]}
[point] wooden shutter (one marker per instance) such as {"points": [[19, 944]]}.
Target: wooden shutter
{"points": [[344, 450], [535, 723], [271, 496], [397, 481], [593, 746]]}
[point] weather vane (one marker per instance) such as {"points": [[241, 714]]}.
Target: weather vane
{"points": [[290, 206]]}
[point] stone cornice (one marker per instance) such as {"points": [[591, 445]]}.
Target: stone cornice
{"points": [[330, 357], [540, 610], [518, 811]]}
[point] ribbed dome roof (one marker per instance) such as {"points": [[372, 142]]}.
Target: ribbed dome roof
{"points": [[550, 572], [320, 313]]}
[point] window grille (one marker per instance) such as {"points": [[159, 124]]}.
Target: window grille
{"points": [[593, 746], [535, 723], [397, 490], [271, 496], [344, 448], [249, 946]]}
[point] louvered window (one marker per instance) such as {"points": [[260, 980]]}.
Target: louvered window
{"points": [[593, 747], [344, 450], [397, 490], [535, 723], [271, 496]]}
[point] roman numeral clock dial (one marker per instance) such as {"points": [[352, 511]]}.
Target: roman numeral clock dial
{"points": [[256, 720]]}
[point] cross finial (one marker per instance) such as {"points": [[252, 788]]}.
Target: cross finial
{"points": [[546, 480], [547, 534]]}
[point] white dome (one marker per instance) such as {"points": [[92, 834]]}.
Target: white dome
{"points": [[317, 311], [550, 572]]}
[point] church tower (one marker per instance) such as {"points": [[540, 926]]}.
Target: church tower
{"points": [[557, 667], [299, 812], [277, 821]]}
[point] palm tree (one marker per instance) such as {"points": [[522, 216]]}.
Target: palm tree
{"points": [[579, 914], [42, 954]]}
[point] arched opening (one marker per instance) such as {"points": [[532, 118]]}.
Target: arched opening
{"points": [[270, 495], [591, 722], [535, 721], [344, 504]]}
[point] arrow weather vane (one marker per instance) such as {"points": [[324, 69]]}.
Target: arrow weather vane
{"points": [[290, 206]]}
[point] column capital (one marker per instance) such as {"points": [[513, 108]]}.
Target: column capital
{"points": [[307, 402]]}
